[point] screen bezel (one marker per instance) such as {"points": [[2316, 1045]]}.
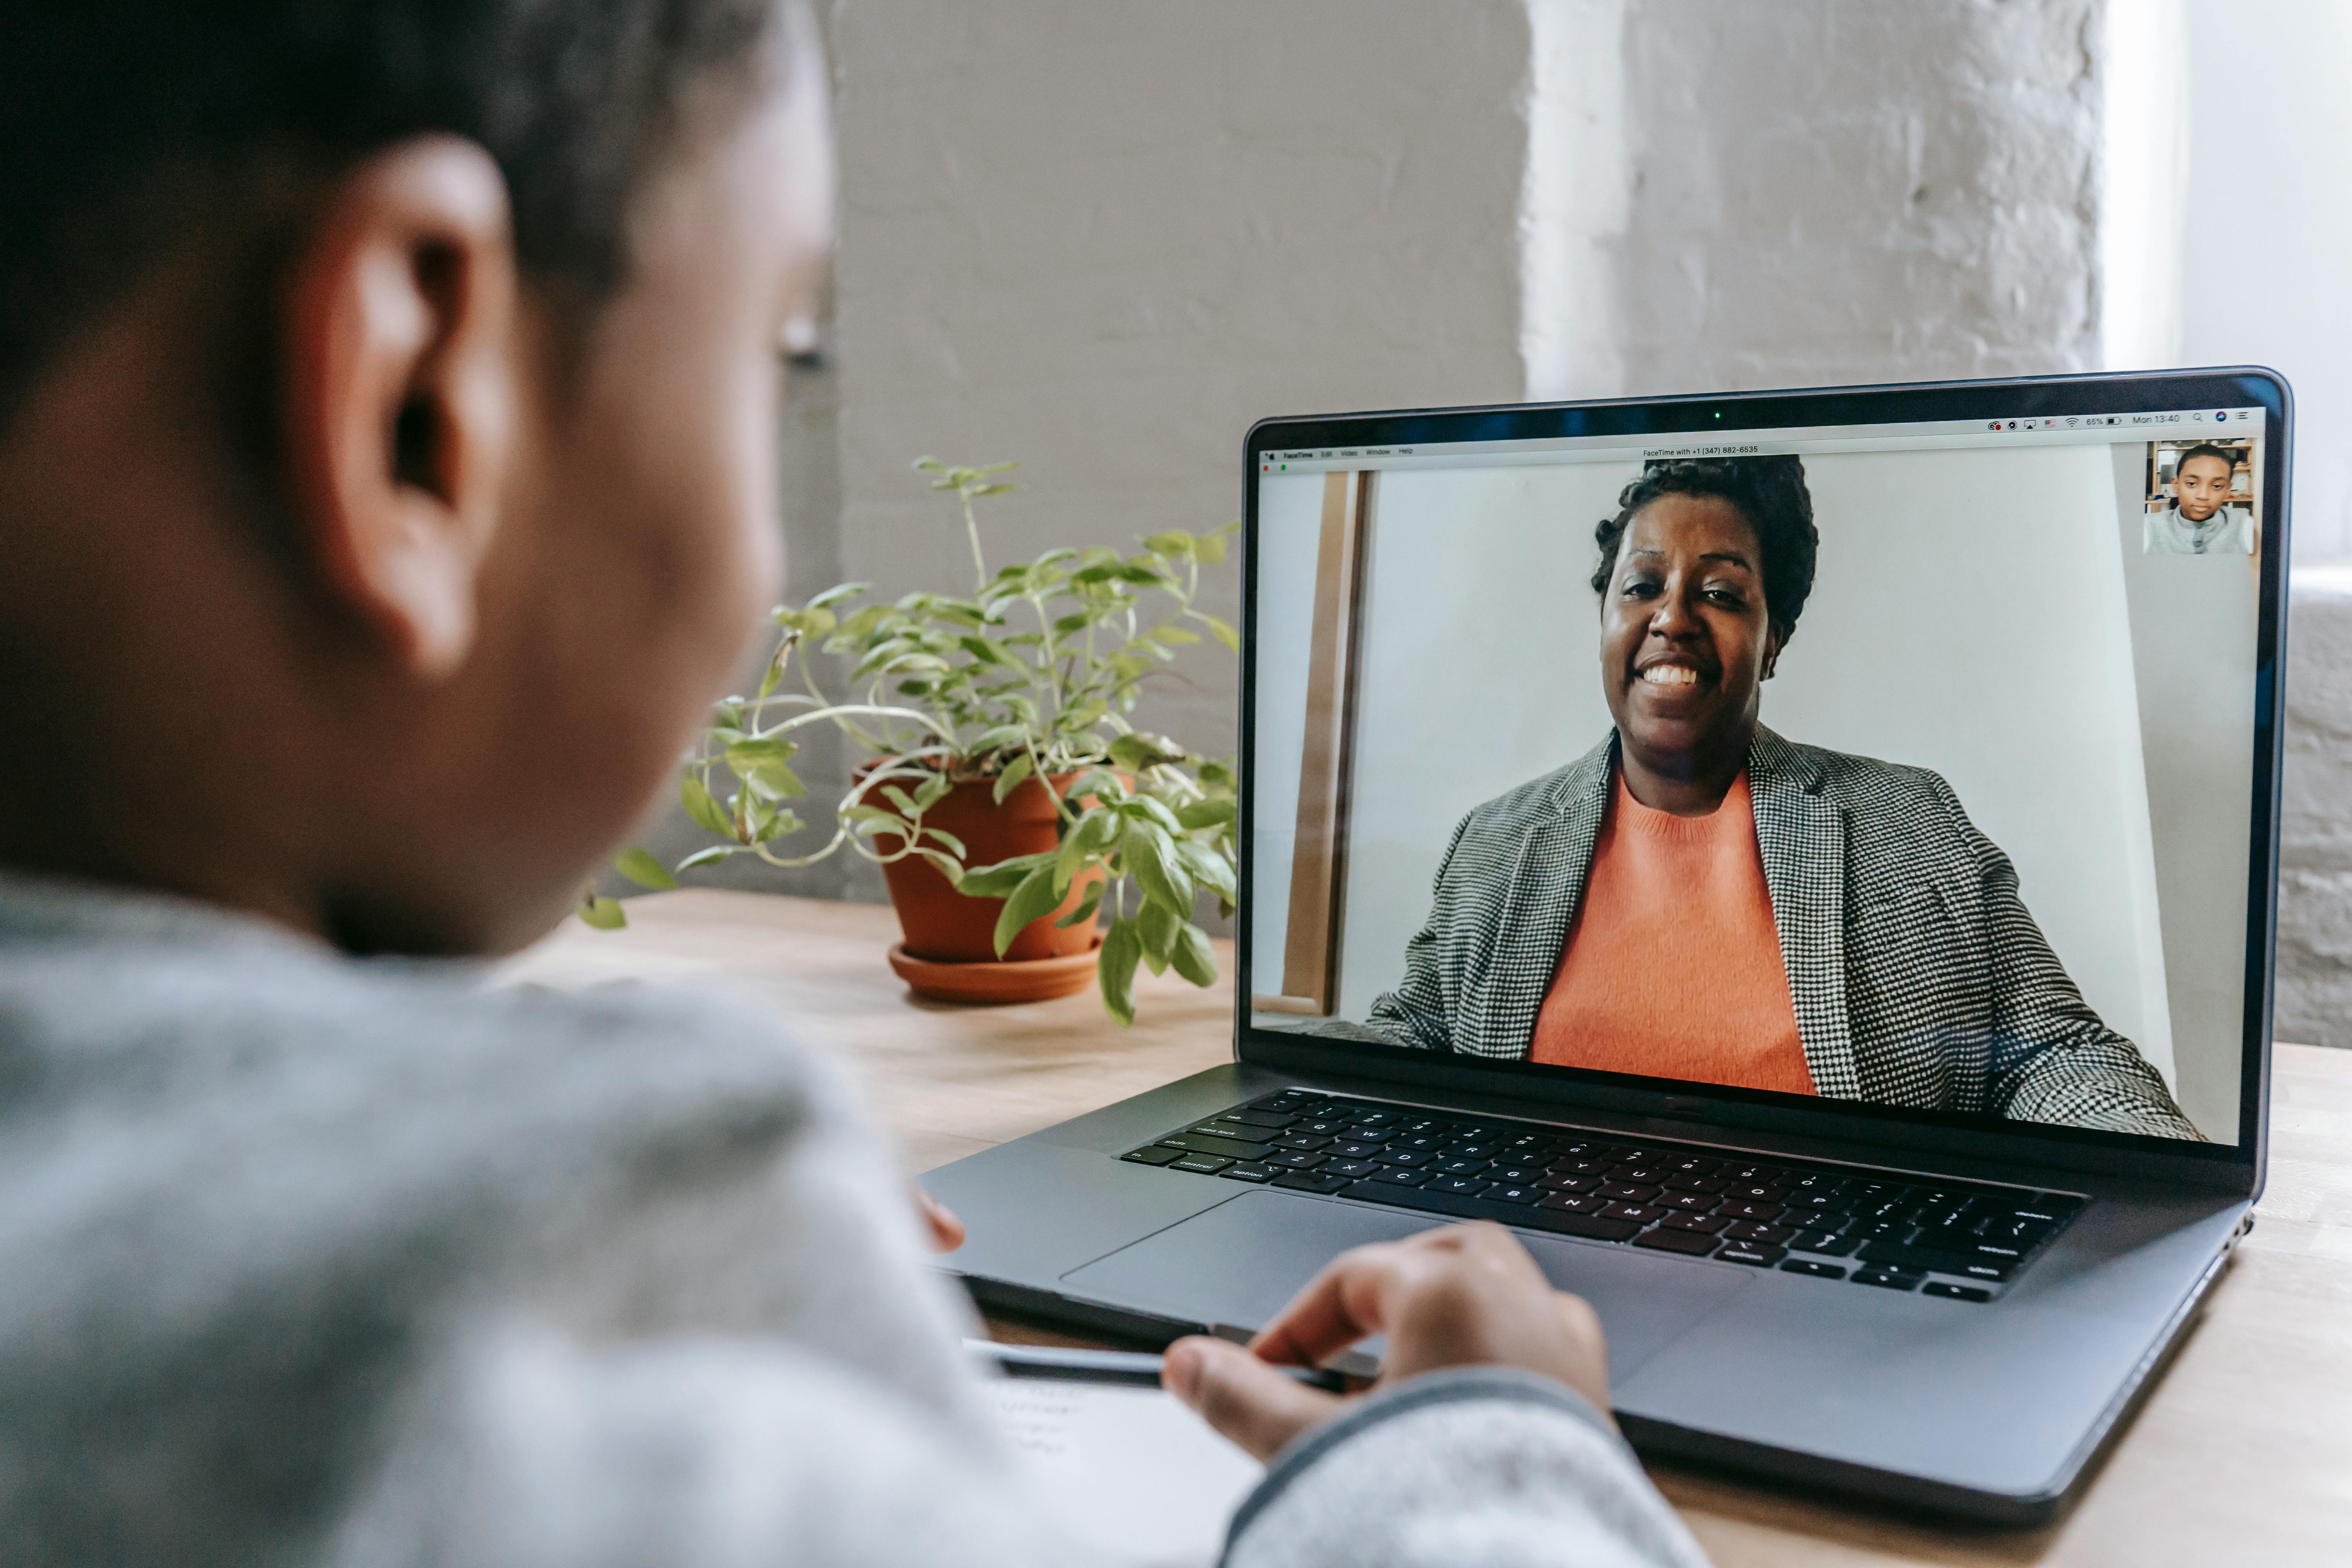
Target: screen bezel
{"points": [[1960, 1133]]}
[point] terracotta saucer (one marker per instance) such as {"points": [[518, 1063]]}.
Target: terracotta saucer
{"points": [[990, 985]]}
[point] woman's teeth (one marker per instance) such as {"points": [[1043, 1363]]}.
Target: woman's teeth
{"points": [[1670, 675]]}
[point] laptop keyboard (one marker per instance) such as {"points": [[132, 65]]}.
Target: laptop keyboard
{"points": [[1960, 1240]]}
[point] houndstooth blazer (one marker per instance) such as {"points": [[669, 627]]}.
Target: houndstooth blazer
{"points": [[1918, 976]]}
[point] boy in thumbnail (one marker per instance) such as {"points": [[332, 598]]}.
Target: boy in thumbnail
{"points": [[2200, 521]]}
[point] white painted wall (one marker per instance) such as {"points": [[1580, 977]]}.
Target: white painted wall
{"points": [[1972, 614], [1105, 239], [1812, 191]]}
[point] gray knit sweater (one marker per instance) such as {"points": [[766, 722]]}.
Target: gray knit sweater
{"points": [[305, 1260]]}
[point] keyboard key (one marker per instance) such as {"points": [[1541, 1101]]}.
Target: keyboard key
{"points": [[1201, 1164], [1826, 1243], [1695, 1184], [1395, 1177], [1321, 1127], [1561, 1184], [1458, 1167], [1302, 1159], [1592, 1226], [1956, 1292], [1222, 1128], [1748, 1252], [1201, 1144], [1527, 1174], [1295, 1140], [1889, 1255], [1752, 1211], [1310, 1182], [1406, 1159], [1629, 1191], [1468, 1187], [1247, 1172], [1762, 1235], [1154, 1156], [1377, 1119], [1703, 1223], [1640, 1214], [1755, 1193], [1287, 1100], [1691, 1243], [1885, 1279], [1354, 1170], [1572, 1203], [1508, 1192], [1596, 1169], [1689, 1203], [1420, 1142], [1269, 1118], [1817, 1270]]}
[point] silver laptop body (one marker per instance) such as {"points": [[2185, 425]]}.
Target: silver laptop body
{"points": [[1943, 1276]]}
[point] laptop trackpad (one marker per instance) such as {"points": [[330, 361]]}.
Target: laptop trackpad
{"points": [[1241, 1262]]}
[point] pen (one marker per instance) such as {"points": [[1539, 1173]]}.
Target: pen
{"points": [[1134, 1368]]}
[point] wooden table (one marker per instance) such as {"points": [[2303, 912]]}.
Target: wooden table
{"points": [[2243, 1453]]}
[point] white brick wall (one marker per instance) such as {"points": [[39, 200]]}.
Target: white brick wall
{"points": [[2314, 949]]}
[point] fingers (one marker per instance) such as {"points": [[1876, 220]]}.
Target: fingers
{"points": [[1462, 1295], [1250, 1403], [940, 1222]]}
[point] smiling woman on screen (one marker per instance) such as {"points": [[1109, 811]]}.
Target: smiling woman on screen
{"points": [[1698, 898]]}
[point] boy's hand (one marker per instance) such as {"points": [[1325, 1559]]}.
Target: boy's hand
{"points": [[940, 1222], [1467, 1295]]}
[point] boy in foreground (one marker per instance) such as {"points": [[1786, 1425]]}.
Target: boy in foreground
{"points": [[386, 399]]}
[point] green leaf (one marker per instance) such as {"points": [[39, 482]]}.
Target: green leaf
{"points": [[1219, 776], [998, 880], [1159, 926], [1133, 752], [927, 793], [761, 765], [1090, 837], [948, 866], [950, 839], [604, 914], [1018, 769], [1085, 909], [1193, 958], [710, 856], [1100, 783], [1177, 635], [1195, 814], [835, 595], [1209, 868], [642, 868], [1150, 856], [1122, 949], [1209, 548], [900, 799], [999, 739], [1224, 633], [1157, 810], [980, 648], [1032, 900], [777, 825], [1174, 541], [1069, 624], [706, 814]]}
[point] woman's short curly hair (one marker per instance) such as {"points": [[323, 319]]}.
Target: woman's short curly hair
{"points": [[1771, 494]]}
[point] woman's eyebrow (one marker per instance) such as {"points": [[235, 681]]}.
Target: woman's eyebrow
{"points": [[1731, 555]]}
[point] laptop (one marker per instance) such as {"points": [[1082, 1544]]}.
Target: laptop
{"points": [[1890, 1074]]}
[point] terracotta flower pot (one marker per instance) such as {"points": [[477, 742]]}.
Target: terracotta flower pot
{"points": [[950, 953]]}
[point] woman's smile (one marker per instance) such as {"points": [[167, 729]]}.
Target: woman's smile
{"points": [[1684, 642]]}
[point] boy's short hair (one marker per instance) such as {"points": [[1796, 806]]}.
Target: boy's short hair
{"points": [[129, 123], [2207, 450]]}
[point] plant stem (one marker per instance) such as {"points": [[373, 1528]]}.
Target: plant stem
{"points": [[972, 529]]}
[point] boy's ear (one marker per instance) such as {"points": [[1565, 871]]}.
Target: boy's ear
{"points": [[401, 384]]}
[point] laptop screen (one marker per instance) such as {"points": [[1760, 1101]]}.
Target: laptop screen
{"points": [[1908, 763]]}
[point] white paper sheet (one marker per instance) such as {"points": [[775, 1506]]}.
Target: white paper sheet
{"points": [[1138, 1477]]}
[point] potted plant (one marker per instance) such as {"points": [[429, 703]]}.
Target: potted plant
{"points": [[1029, 833]]}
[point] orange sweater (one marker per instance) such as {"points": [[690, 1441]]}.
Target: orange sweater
{"points": [[1673, 968]]}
